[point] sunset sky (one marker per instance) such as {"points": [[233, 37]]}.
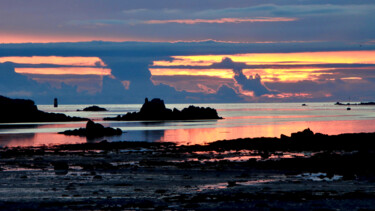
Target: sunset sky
{"points": [[120, 51]]}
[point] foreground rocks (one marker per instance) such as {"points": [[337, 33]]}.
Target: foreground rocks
{"points": [[156, 110], [164, 176], [93, 130], [19, 110]]}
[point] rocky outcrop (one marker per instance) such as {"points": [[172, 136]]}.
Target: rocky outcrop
{"points": [[93, 130], [93, 108], [20, 110], [156, 110], [361, 103]]}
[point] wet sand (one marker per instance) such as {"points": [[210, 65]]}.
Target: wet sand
{"points": [[222, 175]]}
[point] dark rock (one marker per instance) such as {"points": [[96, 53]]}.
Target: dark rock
{"points": [[93, 130], [97, 177], [338, 103], [153, 106], [60, 165], [160, 191], [156, 110], [231, 183], [367, 103], [19, 110], [93, 108], [307, 133]]}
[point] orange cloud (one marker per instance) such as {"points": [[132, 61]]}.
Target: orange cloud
{"points": [[222, 20], [178, 61], [288, 75], [288, 95], [221, 73], [351, 78], [282, 69], [126, 84], [278, 67], [296, 58], [65, 71], [55, 60]]}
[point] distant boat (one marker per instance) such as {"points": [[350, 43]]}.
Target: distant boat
{"points": [[304, 104]]}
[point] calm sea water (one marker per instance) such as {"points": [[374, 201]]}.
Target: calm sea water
{"points": [[240, 121]]}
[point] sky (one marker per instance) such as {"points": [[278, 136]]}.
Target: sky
{"points": [[120, 51]]}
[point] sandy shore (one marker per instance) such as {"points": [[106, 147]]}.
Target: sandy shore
{"points": [[136, 175]]}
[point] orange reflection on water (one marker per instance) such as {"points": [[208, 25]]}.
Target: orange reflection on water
{"points": [[278, 117], [207, 135], [40, 139]]}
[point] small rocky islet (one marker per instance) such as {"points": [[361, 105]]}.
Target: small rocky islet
{"points": [[156, 110], [93, 130], [93, 108]]}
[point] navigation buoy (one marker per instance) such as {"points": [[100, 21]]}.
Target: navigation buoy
{"points": [[55, 103]]}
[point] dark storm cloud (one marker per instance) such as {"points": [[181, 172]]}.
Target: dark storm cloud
{"points": [[13, 84], [252, 84]]}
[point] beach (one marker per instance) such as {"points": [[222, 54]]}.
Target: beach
{"points": [[292, 174]]}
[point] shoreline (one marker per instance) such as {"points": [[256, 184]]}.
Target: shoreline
{"points": [[284, 142], [257, 173]]}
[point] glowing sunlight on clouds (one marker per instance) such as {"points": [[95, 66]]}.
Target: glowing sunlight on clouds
{"points": [[54, 60], [222, 20], [65, 71], [261, 68], [221, 73]]}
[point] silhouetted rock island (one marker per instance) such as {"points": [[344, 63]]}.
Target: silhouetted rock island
{"points": [[361, 103], [20, 110], [93, 108], [93, 130], [156, 110]]}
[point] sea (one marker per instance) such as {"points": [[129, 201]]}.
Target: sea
{"points": [[240, 120]]}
